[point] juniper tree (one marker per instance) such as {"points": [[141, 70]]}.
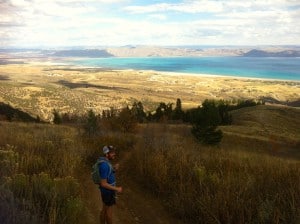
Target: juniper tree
{"points": [[91, 125], [205, 123], [126, 120], [56, 117], [178, 113], [138, 111]]}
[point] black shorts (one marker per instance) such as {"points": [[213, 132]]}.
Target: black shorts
{"points": [[109, 199]]}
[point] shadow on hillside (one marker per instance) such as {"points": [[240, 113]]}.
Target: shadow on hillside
{"points": [[4, 78], [8, 62], [73, 85]]}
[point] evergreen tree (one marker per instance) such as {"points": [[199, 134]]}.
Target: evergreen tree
{"points": [[163, 111], [160, 111], [224, 108], [178, 113], [56, 117], [91, 126], [138, 111], [205, 123], [127, 120], [207, 135]]}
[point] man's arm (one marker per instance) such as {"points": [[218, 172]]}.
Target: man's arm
{"points": [[106, 185]]}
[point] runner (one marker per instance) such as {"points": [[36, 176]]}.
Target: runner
{"points": [[107, 184]]}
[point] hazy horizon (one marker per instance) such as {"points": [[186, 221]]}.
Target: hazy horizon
{"points": [[90, 47]]}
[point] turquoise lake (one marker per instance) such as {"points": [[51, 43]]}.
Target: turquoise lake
{"points": [[253, 67]]}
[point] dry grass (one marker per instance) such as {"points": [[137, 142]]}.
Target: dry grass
{"points": [[247, 179], [38, 174], [38, 89], [41, 168], [267, 129], [214, 185]]}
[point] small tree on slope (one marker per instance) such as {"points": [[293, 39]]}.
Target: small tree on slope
{"points": [[205, 124]]}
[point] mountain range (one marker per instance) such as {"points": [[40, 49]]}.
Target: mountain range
{"points": [[157, 51]]}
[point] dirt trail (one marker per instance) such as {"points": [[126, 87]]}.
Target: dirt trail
{"points": [[134, 206]]}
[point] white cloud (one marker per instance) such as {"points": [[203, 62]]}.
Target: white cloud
{"points": [[187, 7], [107, 22], [20, 3], [158, 16]]}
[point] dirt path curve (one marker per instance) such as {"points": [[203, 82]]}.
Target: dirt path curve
{"points": [[134, 206]]}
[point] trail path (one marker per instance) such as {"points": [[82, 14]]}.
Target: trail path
{"points": [[134, 206]]}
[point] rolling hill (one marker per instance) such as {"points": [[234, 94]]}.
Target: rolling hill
{"points": [[272, 129], [10, 113]]}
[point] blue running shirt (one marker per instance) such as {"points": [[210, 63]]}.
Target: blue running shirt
{"points": [[106, 172]]}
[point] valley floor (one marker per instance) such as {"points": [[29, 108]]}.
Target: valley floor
{"points": [[38, 88]]}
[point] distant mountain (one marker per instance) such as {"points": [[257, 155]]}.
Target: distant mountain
{"points": [[262, 53], [83, 53], [155, 51], [161, 51], [9, 113]]}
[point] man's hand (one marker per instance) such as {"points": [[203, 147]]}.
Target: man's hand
{"points": [[116, 166], [119, 190]]}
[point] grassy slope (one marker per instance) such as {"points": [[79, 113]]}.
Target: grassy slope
{"points": [[247, 179], [197, 183], [265, 128]]}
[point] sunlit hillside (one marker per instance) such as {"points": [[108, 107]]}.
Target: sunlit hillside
{"points": [[269, 128], [38, 88]]}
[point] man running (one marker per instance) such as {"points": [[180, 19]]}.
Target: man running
{"points": [[108, 186]]}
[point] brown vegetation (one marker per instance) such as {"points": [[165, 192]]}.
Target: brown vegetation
{"points": [[240, 181]]}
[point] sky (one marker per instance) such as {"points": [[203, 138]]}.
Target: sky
{"points": [[56, 23]]}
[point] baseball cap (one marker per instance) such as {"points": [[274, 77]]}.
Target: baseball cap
{"points": [[107, 149]]}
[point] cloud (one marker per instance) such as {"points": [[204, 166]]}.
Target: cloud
{"points": [[10, 24], [158, 16], [186, 7], [119, 22], [221, 6]]}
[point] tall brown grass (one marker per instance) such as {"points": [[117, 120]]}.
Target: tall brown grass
{"points": [[40, 165], [38, 181], [215, 185]]}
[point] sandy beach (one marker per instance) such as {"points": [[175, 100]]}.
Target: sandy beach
{"points": [[38, 88]]}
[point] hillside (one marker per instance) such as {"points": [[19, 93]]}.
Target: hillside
{"points": [[265, 53], [273, 129], [9, 113], [92, 53], [167, 176]]}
